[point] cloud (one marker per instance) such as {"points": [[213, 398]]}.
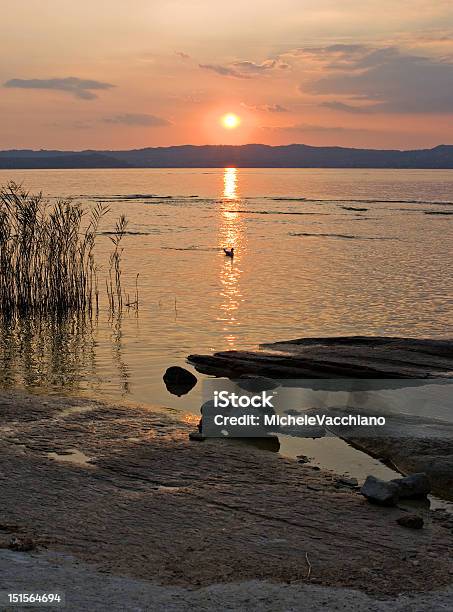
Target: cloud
{"points": [[245, 69], [329, 50], [134, 119], [346, 108], [182, 55], [307, 127], [267, 108], [73, 125], [383, 80], [79, 88], [224, 70]]}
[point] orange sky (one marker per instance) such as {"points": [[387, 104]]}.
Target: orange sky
{"points": [[115, 74]]}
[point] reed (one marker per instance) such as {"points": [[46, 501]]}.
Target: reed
{"points": [[47, 262]]}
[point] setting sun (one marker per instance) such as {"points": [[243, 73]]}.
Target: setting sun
{"points": [[230, 121]]}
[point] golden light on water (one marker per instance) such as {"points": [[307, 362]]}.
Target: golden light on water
{"points": [[230, 183], [230, 121], [231, 234]]}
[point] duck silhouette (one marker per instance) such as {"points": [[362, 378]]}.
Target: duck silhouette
{"points": [[229, 252]]}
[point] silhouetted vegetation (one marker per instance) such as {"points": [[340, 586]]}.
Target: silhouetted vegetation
{"points": [[47, 262]]}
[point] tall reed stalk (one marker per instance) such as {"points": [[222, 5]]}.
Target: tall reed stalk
{"points": [[47, 262]]}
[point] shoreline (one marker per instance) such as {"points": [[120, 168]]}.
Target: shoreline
{"points": [[120, 592], [147, 503]]}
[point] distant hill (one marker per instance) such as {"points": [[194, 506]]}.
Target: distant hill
{"points": [[220, 156]]}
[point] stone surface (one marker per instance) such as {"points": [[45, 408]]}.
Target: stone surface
{"points": [[256, 384], [303, 459], [196, 436], [153, 504], [433, 456], [125, 593], [347, 481], [412, 521], [413, 486], [21, 544], [380, 492], [350, 356], [410, 443], [179, 381]]}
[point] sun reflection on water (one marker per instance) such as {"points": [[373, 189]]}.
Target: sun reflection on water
{"points": [[231, 234], [230, 183]]}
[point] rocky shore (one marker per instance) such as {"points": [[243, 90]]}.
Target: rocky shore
{"points": [[410, 442], [122, 489], [354, 357]]}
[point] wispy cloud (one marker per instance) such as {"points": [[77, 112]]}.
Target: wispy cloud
{"points": [[79, 88], [267, 108], [72, 125], [313, 128], [224, 70], [182, 55], [245, 69], [346, 108], [135, 119], [252, 68]]}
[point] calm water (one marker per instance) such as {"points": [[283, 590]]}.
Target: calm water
{"points": [[318, 252]]}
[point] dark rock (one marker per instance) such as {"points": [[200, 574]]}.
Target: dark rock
{"points": [[413, 486], [268, 443], [22, 544], [256, 384], [303, 459], [412, 521], [380, 492], [179, 381], [314, 487], [196, 436], [207, 407], [348, 482], [386, 358], [308, 431]]}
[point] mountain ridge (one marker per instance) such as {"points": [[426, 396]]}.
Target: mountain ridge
{"points": [[241, 156]]}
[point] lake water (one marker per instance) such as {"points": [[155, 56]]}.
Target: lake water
{"points": [[318, 252]]}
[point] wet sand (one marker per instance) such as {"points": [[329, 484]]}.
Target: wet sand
{"points": [[121, 488]]}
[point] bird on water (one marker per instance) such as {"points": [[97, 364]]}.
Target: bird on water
{"points": [[229, 252]]}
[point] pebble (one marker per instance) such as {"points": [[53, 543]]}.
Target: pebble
{"points": [[411, 521]]}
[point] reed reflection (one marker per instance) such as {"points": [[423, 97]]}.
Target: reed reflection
{"points": [[231, 234], [54, 354]]}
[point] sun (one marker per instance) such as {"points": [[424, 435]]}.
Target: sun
{"points": [[230, 121]]}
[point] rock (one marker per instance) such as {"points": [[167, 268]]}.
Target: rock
{"points": [[21, 544], [413, 486], [389, 493], [380, 492], [179, 381], [386, 358], [412, 521], [196, 436], [207, 407], [348, 482], [303, 459], [256, 384]]}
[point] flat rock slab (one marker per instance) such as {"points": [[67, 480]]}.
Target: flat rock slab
{"points": [[411, 443], [337, 357], [150, 504]]}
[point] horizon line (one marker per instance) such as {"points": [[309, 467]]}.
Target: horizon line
{"points": [[249, 144]]}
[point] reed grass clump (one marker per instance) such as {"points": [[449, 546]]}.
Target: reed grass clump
{"points": [[47, 262]]}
